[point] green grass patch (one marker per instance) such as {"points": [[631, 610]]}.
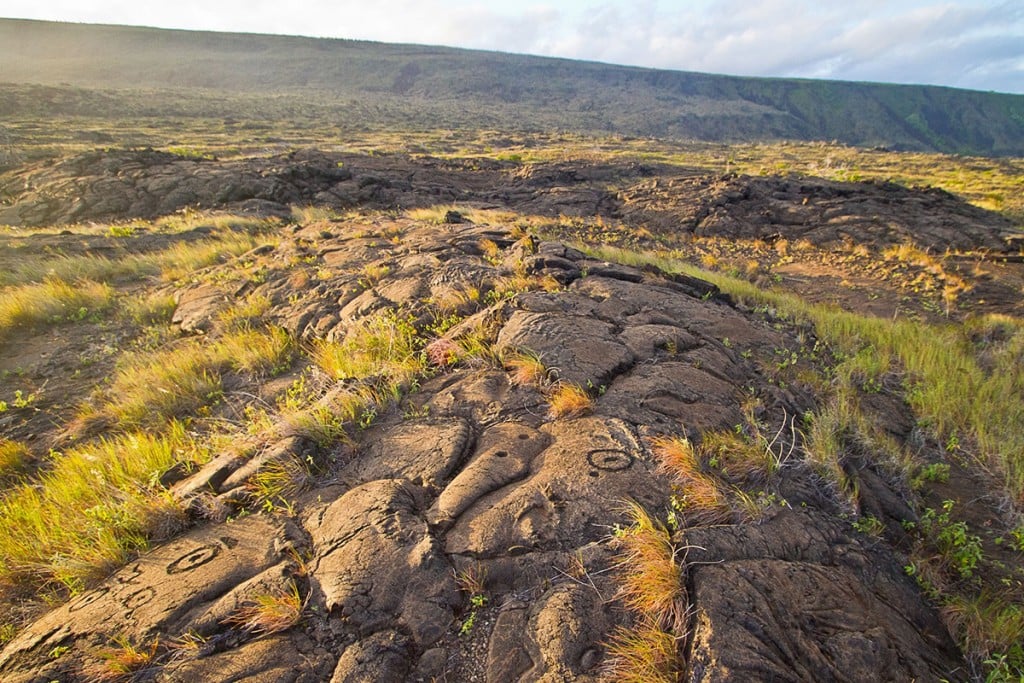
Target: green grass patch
{"points": [[51, 301], [97, 505], [150, 388], [385, 347]]}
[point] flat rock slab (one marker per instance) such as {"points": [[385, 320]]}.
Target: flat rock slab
{"points": [[198, 306], [273, 659], [422, 452], [162, 593], [505, 455], [673, 393], [772, 620], [376, 563], [556, 638], [798, 598], [576, 349], [592, 465], [383, 657]]}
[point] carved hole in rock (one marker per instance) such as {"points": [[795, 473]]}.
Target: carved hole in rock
{"points": [[592, 473], [524, 437], [501, 454], [610, 460]]}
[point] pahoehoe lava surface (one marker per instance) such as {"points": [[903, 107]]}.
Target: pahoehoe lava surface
{"points": [[475, 475]]}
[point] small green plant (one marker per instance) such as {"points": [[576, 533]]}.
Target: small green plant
{"points": [[22, 400], [1018, 538], [935, 472], [870, 526], [59, 651], [472, 582], [122, 230], [961, 549]]}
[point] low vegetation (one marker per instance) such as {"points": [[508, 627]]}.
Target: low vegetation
{"points": [[569, 400], [93, 508], [52, 301], [152, 387], [964, 384], [270, 612], [122, 660], [652, 590]]}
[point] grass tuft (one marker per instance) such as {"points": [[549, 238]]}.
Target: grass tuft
{"points": [[122, 660], [276, 484], [385, 346], [644, 654], [701, 497], [270, 612], [651, 587], [569, 400], [14, 457], [527, 369]]}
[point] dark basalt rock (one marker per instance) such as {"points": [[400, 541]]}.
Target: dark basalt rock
{"points": [[470, 477]]}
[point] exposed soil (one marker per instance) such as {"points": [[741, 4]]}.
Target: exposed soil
{"points": [[470, 473]]}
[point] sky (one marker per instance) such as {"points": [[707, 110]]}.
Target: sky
{"points": [[977, 44]]}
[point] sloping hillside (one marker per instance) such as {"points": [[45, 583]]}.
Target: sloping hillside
{"points": [[429, 86]]}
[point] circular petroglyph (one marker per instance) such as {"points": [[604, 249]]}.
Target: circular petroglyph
{"points": [[610, 460], [193, 559], [88, 599], [139, 598]]}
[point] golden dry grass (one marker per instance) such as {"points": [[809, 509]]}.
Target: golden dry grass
{"points": [[652, 589], [651, 580], [527, 369], [52, 300], [569, 400], [13, 456], [122, 660], [271, 612], [644, 654], [701, 497]]}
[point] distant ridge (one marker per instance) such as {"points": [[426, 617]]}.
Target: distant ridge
{"points": [[430, 87]]}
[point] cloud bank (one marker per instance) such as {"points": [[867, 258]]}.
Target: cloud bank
{"points": [[976, 44]]}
